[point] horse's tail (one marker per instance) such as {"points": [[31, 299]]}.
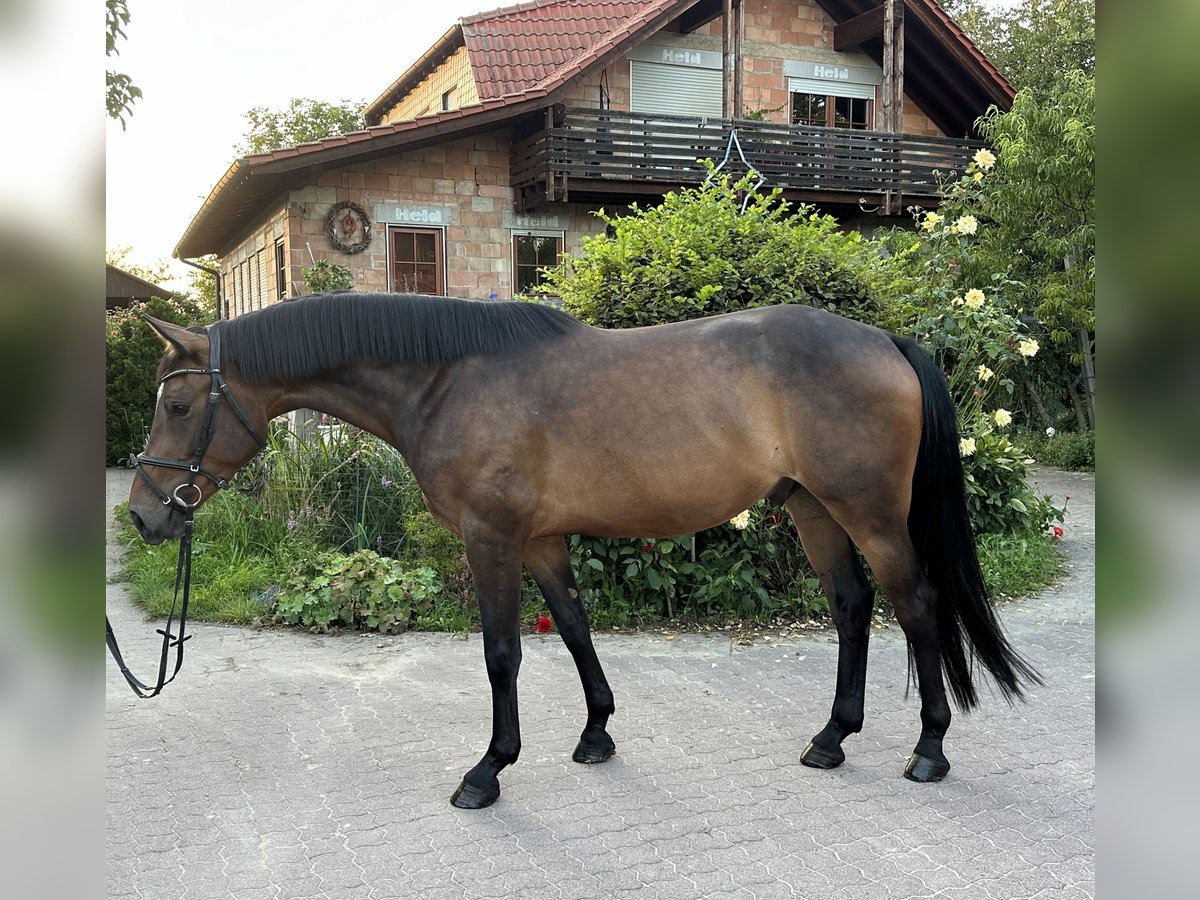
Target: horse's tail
{"points": [[941, 533]]}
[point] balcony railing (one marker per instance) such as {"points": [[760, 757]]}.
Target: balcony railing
{"points": [[604, 151]]}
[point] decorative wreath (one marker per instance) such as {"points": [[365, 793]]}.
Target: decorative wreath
{"points": [[348, 227]]}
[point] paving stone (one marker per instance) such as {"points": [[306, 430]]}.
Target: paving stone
{"points": [[288, 765]]}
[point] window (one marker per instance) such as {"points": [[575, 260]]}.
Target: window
{"points": [[532, 253], [448, 99], [831, 111], [417, 261], [280, 271]]}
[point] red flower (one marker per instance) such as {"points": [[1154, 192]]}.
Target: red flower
{"points": [[648, 546], [543, 625], [1056, 533]]}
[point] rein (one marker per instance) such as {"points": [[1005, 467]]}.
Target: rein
{"points": [[183, 569]]}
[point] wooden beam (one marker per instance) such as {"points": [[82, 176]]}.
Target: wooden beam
{"points": [[852, 32], [726, 61], [739, 22]]}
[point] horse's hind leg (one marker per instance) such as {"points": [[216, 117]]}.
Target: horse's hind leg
{"points": [[828, 549], [550, 566], [496, 571], [890, 553]]}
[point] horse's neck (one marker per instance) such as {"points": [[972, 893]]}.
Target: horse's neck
{"points": [[383, 401]]}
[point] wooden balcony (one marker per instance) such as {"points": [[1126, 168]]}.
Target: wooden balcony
{"points": [[590, 155]]}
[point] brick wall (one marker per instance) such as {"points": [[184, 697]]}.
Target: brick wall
{"points": [[460, 188], [454, 74], [776, 30]]}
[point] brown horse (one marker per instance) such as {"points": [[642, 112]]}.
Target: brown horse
{"points": [[523, 425]]}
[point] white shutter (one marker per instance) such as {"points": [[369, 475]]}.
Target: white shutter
{"points": [[674, 90], [831, 88]]}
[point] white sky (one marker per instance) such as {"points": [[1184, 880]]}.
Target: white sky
{"points": [[201, 66]]}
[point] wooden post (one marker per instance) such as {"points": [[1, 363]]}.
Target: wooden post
{"points": [[738, 86], [726, 60], [893, 83], [889, 65]]}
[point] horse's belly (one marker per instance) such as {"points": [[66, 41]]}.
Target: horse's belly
{"points": [[662, 495]]}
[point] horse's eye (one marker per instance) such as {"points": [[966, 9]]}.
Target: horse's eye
{"points": [[179, 409]]}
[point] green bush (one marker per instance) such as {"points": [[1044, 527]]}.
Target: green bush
{"points": [[700, 254], [325, 277], [999, 498], [361, 590], [1064, 450], [132, 351], [754, 570]]}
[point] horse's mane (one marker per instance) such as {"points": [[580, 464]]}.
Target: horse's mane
{"points": [[304, 337]]}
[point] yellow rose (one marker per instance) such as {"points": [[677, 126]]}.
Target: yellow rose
{"points": [[1002, 418], [741, 520], [931, 221], [966, 447], [974, 298], [965, 225], [1028, 348], [985, 159], [985, 374]]}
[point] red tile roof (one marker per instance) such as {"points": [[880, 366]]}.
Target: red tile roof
{"points": [[521, 47]]}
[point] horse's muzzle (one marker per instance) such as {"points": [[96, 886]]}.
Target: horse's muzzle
{"points": [[168, 526]]}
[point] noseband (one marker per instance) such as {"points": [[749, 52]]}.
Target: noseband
{"points": [[184, 497]]}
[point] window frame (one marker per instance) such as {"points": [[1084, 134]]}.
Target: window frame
{"points": [[281, 270], [831, 110], [560, 238], [439, 232]]}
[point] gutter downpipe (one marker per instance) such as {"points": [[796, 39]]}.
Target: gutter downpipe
{"points": [[216, 282]]}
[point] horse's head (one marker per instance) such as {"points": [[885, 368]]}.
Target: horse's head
{"points": [[201, 434]]}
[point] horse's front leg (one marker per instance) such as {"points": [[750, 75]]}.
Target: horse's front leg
{"points": [[550, 566], [496, 570]]}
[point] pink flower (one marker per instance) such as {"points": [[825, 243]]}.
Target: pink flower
{"points": [[544, 624]]}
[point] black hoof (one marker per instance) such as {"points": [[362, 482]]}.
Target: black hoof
{"points": [[475, 796], [594, 751], [923, 769], [820, 758]]}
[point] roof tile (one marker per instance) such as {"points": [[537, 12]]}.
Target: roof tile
{"points": [[518, 48]]}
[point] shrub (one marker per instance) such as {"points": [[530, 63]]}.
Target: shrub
{"points": [[132, 351], [325, 277], [360, 590], [1064, 450], [700, 254], [754, 572]]}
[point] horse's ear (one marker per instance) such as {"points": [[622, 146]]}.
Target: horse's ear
{"points": [[176, 337]]}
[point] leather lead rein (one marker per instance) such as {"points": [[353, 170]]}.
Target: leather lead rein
{"points": [[183, 569]]}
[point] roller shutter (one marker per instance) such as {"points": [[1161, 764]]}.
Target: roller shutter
{"points": [[674, 90]]}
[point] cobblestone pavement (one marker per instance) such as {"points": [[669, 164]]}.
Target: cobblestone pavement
{"points": [[286, 765]]}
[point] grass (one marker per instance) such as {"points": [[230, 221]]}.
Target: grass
{"points": [[1018, 565]]}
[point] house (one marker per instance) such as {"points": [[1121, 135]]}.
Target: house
{"points": [[125, 289], [484, 160]]}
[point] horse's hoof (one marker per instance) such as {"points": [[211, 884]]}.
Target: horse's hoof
{"points": [[820, 758], [923, 769], [476, 796], [588, 752]]}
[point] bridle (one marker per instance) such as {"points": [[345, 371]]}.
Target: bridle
{"points": [[187, 505]]}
